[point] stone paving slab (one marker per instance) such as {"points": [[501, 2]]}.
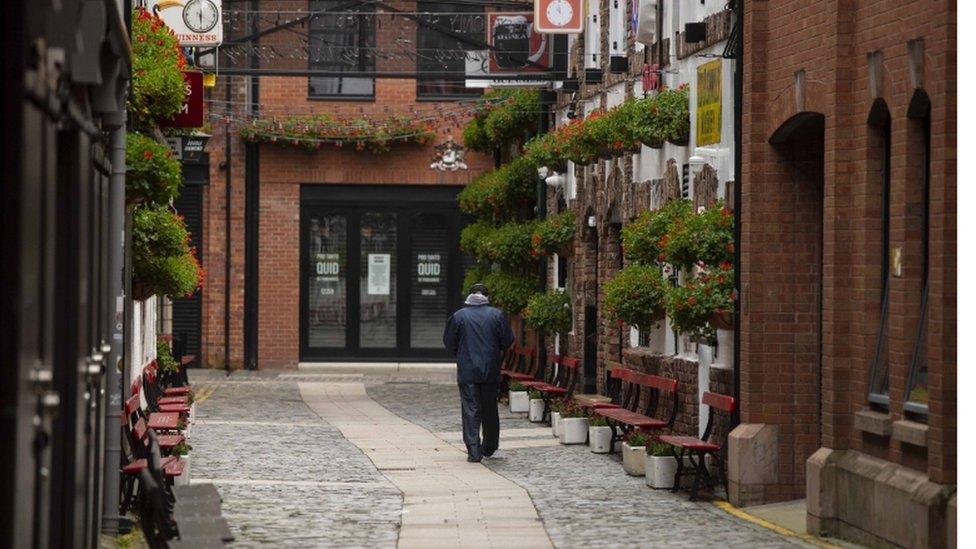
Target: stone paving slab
{"points": [[447, 502]]}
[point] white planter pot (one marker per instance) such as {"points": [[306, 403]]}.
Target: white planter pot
{"points": [[659, 471], [600, 436], [184, 479], [633, 459], [557, 424], [518, 401], [574, 430], [726, 342], [536, 408]]}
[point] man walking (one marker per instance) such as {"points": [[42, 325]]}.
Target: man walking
{"points": [[476, 335]]}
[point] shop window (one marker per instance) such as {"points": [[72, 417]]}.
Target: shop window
{"points": [[447, 31], [341, 41], [919, 127], [879, 173]]}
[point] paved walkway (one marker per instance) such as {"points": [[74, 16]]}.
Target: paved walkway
{"points": [[350, 460], [447, 502]]}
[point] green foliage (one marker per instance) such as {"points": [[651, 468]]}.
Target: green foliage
{"points": [[510, 291], [549, 311], [637, 438], [515, 386], [475, 274], [473, 240], [163, 262], [662, 117], [636, 296], [164, 357], [571, 408], [181, 449], [152, 175], [597, 420], [509, 245], [542, 151], [554, 234], [645, 238], [535, 394], [310, 132], [692, 305], [503, 116], [501, 193], [158, 89], [659, 449], [705, 239]]}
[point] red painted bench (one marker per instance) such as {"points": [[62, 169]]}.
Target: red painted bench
{"points": [[611, 390], [562, 377], [518, 364], [624, 416], [696, 449]]}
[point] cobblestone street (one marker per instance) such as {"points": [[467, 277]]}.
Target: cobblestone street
{"points": [[290, 478]]}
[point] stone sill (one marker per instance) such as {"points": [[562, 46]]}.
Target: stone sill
{"points": [[876, 423], [911, 432]]}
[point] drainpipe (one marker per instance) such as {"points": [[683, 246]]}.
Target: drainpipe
{"points": [[737, 211], [227, 248], [111, 520]]}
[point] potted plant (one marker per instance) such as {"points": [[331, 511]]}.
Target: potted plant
{"points": [[643, 122], [574, 423], [660, 465], [510, 292], [163, 262], [518, 398], [554, 235], [644, 239], [600, 435], [549, 311], [704, 303], [183, 451], [704, 238], [152, 175], [158, 89], [673, 117], [636, 296], [633, 451], [537, 406]]}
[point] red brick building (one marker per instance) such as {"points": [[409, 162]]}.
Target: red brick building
{"points": [[292, 182], [848, 281]]}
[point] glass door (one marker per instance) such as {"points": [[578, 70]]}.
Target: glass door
{"points": [[429, 293], [378, 280], [326, 279]]}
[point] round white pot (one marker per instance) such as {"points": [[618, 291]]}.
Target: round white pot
{"points": [[726, 342], [600, 436], [536, 408], [557, 424], [659, 471], [518, 401], [633, 459], [184, 479], [574, 430]]}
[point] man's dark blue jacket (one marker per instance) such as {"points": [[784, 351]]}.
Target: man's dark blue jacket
{"points": [[476, 335]]}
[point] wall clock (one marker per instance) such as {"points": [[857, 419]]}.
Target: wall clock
{"points": [[200, 15], [559, 16]]}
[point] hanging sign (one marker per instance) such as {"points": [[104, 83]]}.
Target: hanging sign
{"points": [[194, 22], [517, 49], [708, 114], [559, 16], [191, 115], [378, 278]]}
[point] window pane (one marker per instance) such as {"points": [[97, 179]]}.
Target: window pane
{"points": [[428, 282], [438, 51], [327, 282], [340, 42], [377, 293]]}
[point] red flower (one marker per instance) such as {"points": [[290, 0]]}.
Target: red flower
{"points": [[692, 300], [725, 266], [660, 257], [147, 155], [730, 247]]}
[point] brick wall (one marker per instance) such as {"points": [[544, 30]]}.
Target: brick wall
{"points": [[807, 57]]}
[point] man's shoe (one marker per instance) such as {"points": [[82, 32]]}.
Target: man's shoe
{"points": [[474, 459]]}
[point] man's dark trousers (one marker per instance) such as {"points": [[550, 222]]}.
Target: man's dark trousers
{"points": [[479, 410]]}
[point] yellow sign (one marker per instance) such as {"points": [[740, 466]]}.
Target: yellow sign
{"points": [[708, 115]]}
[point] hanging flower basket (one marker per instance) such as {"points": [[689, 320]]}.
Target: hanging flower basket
{"points": [[680, 140], [636, 296], [721, 320], [141, 291]]}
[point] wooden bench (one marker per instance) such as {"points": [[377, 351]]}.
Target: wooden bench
{"points": [[696, 449], [623, 415], [141, 442], [611, 389], [518, 364], [560, 380]]}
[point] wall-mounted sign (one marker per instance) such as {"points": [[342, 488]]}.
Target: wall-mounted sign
{"points": [[194, 22], [191, 116], [517, 50], [378, 274], [428, 268], [708, 114], [559, 16]]}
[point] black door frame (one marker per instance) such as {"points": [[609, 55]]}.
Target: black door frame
{"points": [[352, 201]]}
